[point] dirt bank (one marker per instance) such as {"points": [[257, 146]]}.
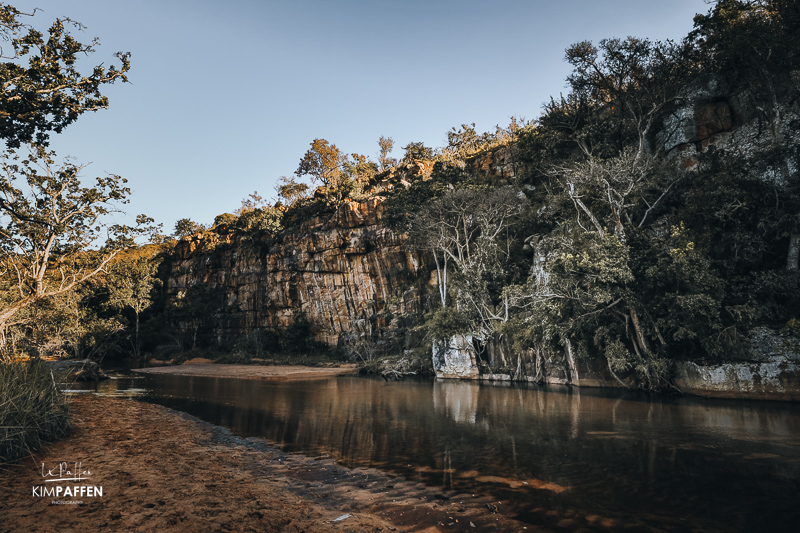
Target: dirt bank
{"points": [[161, 470], [276, 372]]}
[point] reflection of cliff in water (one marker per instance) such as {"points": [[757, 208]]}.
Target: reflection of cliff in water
{"points": [[456, 399], [733, 465]]}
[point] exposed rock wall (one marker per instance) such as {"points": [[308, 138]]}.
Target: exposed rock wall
{"points": [[770, 372], [455, 358], [461, 357], [342, 272], [714, 116]]}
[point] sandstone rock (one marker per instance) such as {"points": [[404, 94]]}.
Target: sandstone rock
{"points": [[770, 371], [455, 358], [778, 379], [335, 271]]}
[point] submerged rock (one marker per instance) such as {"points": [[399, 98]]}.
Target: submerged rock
{"points": [[79, 370]]}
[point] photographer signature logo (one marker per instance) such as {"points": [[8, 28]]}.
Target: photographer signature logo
{"points": [[66, 480]]}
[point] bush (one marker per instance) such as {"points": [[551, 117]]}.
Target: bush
{"points": [[32, 409], [446, 322]]}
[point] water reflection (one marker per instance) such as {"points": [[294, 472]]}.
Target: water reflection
{"points": [[627, 460]]}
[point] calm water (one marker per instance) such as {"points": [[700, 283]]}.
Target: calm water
{"points": [[631, 460]]}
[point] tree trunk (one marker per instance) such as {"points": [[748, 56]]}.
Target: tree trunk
{"points": [[641, 340], [794, 252], [574, 378], [7, 313], [441, 275], [136, 348]]}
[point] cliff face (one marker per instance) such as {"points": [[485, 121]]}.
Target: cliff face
{"points": [[343, 273]]}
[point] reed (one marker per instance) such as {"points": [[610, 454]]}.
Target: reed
{"points": [[32, 409]]}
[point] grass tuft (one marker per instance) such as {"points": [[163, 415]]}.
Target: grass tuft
{"points": [[32, 409]]}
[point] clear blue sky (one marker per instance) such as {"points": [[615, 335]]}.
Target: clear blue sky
{"points": [[225, 97]]}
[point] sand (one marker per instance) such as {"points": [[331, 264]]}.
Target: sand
{"points": [[162, 470], [276, 372]]}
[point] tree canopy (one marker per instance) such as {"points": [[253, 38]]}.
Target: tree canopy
{"points": [[50, 221], [42, 89]]}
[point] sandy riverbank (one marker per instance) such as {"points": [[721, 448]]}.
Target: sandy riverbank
{"points": [[271, 372], [161, 470]]}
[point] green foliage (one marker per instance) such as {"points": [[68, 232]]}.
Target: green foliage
{"points": [[650, 372], [225, 220], [325, 164], [267, 221], [186, 227], [360, 172], [50, 221], [402, 202], [251, 203], [465, 141], [32, 409], [754, 44], [131, 283], [445, 322], [384, 159], [298, 339], [42, 89], [290, 191], [194, 308], [339, 173], [416, 151], [69, 324]]}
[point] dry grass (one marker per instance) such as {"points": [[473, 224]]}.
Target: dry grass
{"points": [[32, 409]]}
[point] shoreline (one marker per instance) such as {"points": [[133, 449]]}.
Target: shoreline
{"points": [[164, 470], [263, 372], [780, 386]]}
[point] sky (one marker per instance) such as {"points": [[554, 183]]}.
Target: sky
{"points": [[225, 97]]}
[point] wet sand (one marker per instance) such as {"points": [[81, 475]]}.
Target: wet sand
{"points": [[276, 372], [162, 470]]}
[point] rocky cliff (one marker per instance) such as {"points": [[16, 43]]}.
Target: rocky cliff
{"points": [[343, 273]]}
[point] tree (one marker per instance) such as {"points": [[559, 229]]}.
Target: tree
{"points": [[466, 228], [267, 220], [337, 172], [625, 190], [251, 203], [323, 162], [359, 169], [755, 45], [416, 151], [131, 282], [49, 223], [633, 79], [465, 141], [48, 93], [290, 190], [185, 227], [384, 159], [194, 307]]}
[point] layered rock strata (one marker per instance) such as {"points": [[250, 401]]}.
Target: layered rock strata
{"points": [[342, 273]]}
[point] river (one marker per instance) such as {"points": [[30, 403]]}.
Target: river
{"points": [[624, 461]]}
